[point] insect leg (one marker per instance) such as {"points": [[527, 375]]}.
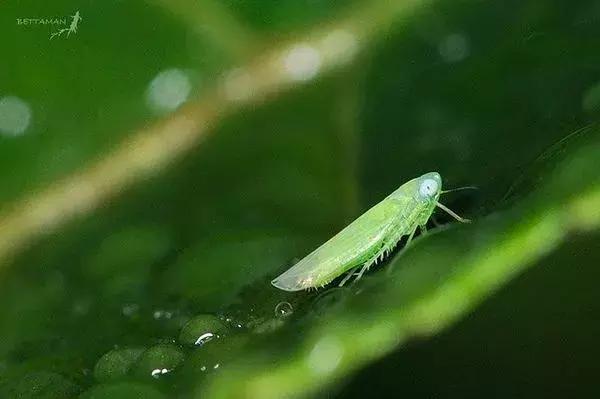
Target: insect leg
{"points": [[347, 277], [362, 270], [380, 255], [451, 213], [410, 237]]}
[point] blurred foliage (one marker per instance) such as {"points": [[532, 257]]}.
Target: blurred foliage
{"points": [[501, 95]]}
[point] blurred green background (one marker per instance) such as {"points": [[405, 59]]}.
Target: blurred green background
{"points": [[502, 95]]}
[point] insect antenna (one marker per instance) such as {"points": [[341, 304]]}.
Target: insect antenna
{"points": [[451, 213], [459, 189]]}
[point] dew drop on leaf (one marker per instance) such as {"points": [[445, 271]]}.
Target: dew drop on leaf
{"points": [[283, 310]]}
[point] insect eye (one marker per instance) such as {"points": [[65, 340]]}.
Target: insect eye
{"points": [[428, 188]]}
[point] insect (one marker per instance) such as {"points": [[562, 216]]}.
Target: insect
{"points": [[371, 237]]}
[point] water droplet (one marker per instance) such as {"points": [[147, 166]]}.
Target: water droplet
{"points": [[168, 90], [162, 314], [454, 48], [302, 62], [162, 357], [15, 116], [232, 322], [116, 363], [156, 373], [201, 329], [325, 355], [284, 309], [204, 338], [130, 309]]}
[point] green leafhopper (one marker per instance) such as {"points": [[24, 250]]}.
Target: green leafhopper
{"points": [[369, 238]]}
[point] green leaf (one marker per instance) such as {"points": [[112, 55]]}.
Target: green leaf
{"points": [[437, 281], [132, 225]]}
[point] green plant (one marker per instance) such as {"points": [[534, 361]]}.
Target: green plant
{"points": [[131, 224]]}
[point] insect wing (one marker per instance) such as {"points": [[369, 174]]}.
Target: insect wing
{"points": [[350, 247]]}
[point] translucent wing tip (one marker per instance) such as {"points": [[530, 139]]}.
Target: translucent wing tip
{"points": [[284, 284], [291, 280]]}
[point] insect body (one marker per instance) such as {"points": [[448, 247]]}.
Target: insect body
{"points": [[369, 238]]}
